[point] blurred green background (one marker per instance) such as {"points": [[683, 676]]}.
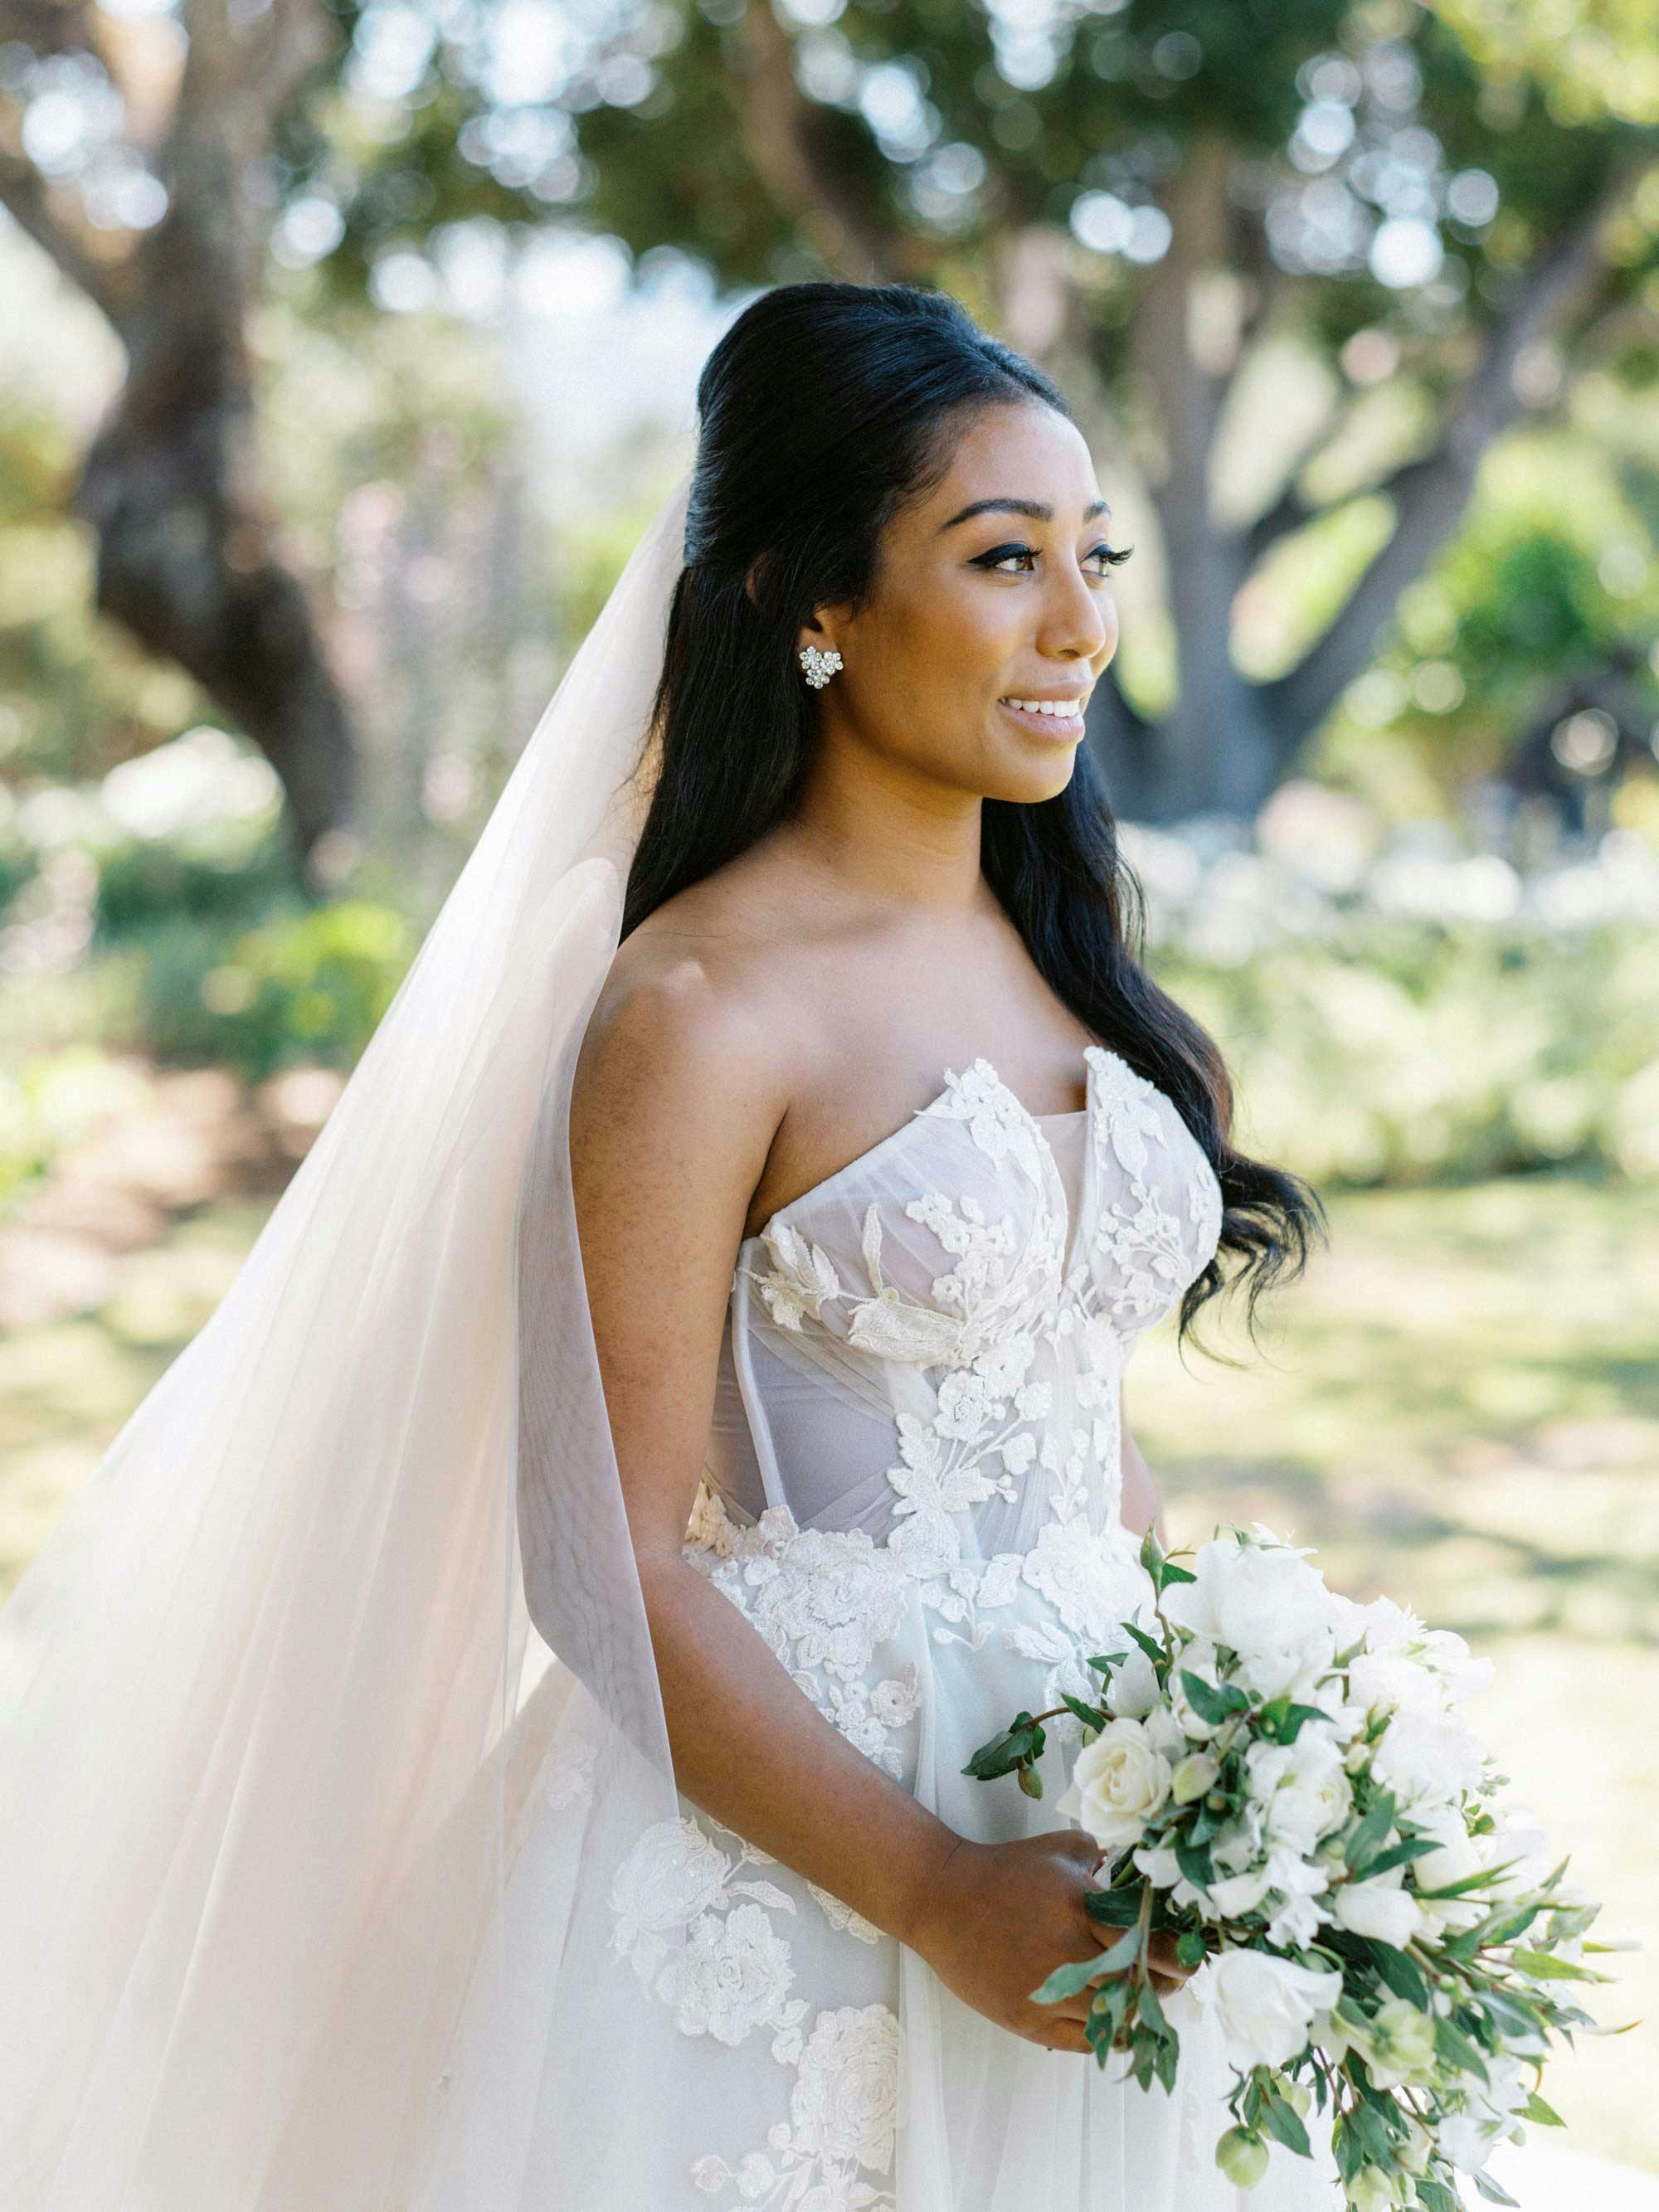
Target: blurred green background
{"points": [[351, 346]]}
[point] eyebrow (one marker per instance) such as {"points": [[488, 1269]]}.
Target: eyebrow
{"points": [[1037, 509]]}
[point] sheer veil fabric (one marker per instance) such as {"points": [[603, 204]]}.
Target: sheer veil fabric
{"points": [[274, 1724]]}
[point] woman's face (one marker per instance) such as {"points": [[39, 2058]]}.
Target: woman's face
{"points": [[971, 611]]}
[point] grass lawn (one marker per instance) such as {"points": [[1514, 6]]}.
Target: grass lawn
{"points": [[1459, 1405]]}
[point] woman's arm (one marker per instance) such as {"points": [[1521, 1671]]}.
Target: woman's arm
{"points": [[677, 1097]]}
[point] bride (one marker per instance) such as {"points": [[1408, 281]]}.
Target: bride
{"points": [[490, 1735]]}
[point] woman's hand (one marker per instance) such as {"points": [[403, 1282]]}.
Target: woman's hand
{"points": [[998, 1918]]}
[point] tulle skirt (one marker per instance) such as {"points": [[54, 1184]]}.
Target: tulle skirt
{"points": [[780, 2050]]}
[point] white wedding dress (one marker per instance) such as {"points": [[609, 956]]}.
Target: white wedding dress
{"points": [[912, 1490]]}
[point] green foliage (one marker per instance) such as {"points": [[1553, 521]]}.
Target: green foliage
{"points": [[305, 986], [150, 883], [1405, 1052]]}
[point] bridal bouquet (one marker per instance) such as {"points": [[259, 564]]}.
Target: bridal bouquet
{"points": [[1282, 1780]]}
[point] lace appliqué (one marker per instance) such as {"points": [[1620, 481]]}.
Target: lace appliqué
{"points": [[1137, 1240], [1001, 1288], [733, 1976], [825, 1601], [733, 1973], [842, 2111]]}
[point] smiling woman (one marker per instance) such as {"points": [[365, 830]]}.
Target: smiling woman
{"points": [[493, 1733]]}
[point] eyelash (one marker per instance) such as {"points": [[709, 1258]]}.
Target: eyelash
{"points": [[1000, 553]]}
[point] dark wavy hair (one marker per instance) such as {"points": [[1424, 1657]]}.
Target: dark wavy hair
{"points": [[822, 411]]}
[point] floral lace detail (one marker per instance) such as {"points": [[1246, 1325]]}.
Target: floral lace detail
{"points": [[825, 1601], [733, 1975], [1137, 1239], [999, 1289], [842, 2112]]}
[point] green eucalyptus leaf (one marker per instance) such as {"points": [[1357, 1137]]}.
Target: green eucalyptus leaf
{"points": [[1211, 1702], [1367, 1837], [1067, 1980], [1149, 1645], [1490, 2189], [1282, 2121]]}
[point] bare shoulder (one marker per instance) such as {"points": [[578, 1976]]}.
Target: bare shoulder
{"points": [[687, 1066], [689, 1002]]}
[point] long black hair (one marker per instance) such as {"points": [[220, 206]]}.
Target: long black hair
{"points": [[821, 410]]}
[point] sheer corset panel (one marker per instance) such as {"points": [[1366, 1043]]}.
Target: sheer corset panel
{"points": [[935, 1301]]}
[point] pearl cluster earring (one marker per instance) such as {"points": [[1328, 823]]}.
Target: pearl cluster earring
{"points": [[819, 666]]}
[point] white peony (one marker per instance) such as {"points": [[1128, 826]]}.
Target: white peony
{"points": [[1266, 2005], [1119, 1782], [1255, 1599]]}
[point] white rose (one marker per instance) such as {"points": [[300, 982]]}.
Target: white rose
{"points": [[1253, 1598], [1132, 1690], [1118, 1782], [1266, 2005], [1426, 1759], [1379, 1909]]}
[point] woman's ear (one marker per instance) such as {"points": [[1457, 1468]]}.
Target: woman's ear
{"points": [[752, 579]]}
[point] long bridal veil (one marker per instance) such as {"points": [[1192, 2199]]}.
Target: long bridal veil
{"points": [[274, 1724]]}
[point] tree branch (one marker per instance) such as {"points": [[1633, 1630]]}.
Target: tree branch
{"points": [[785, 133], [28, 199], [1432, 492]]}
